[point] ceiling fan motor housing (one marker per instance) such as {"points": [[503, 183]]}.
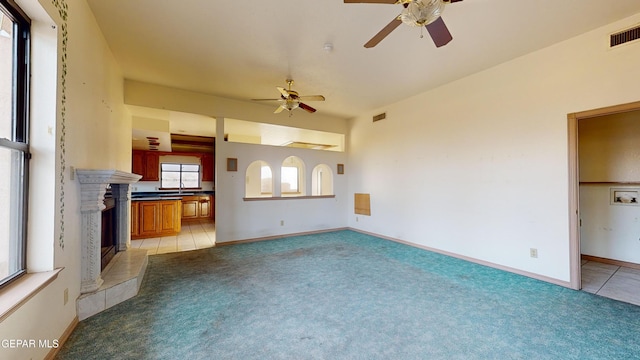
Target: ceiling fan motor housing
{"points": [[422, 12]]}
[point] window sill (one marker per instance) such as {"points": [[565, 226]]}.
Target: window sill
{"points": [[21, 290], [288, 197]]}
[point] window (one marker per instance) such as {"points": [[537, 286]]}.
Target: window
{"points": [[322, 180], [266, 183], [259, 180], [14, 140], [179, 176], [292, 177], [290, 181]]}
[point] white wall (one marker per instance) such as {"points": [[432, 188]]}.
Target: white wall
{"points": [[94, 132], [479, 167], [608, 230], [608, 147], [237, 219]]}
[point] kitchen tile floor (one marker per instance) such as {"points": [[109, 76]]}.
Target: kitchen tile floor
{"points": [[612, 281], [194, 235]]}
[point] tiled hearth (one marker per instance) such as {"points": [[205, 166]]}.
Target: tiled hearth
{"points": [[121, 281]]}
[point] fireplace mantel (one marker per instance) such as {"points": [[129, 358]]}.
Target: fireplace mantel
{"points": [[93, 186]]}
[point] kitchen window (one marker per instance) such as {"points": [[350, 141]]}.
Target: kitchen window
{"points": [[179, 176], [14, 144]]}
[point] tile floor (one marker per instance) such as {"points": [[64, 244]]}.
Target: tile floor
{"points": [[612, 281], [194, 235]]}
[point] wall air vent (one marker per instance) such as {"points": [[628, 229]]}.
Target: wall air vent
{"points": [[380, 117], [625, 36]]}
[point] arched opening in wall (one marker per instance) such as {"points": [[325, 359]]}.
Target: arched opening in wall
{"points": [[259, 180], [321, 180], [292, 179]]}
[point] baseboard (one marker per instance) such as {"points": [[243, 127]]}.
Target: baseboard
{"points": [[566, 284], [611, 261], [62, 339], [274, 237]]}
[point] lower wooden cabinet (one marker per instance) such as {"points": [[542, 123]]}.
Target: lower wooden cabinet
{"points": [[155, 218], [197, 207], [135, 224]]}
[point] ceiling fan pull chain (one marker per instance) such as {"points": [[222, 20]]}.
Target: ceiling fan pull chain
{"points": [[421, 32]]}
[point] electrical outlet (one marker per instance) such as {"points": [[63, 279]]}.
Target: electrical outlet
{"points": [[356, 219], [281, 222], [533, 252], [72, 173], [66, 296]]}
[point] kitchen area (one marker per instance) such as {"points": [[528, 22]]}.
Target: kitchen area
{"points": [[173, 204]]}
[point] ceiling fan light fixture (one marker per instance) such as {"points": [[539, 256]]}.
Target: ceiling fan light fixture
{"points": [[422, 12]]}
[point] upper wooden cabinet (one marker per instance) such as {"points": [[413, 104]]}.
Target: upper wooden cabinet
{"points": [[137, 163], [152, 165], [207, 166], [147, 164]]}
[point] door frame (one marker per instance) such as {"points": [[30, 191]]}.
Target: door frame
{"points": [[574, 183]]}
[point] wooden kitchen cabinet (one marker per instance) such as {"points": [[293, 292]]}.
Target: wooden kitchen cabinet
{"points": [[152, 166], [197, 207], [207, 166], [158, 218], [137, 162], [205, 207], [147, 164], [135, 214], [190, 205]]}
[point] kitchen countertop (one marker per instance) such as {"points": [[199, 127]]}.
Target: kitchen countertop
{"points": [[155, 198], [150, 196]]}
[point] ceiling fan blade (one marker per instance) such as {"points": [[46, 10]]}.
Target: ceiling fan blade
{"points": [[383, 33], [283, 91], [312, 98], [278, 110], [439, 32], [370, 1], [307, 108], [452, 1]]}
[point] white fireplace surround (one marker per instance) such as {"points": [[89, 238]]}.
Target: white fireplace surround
{"points": [[93, 186]]}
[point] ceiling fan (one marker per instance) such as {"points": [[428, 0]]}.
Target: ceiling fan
{"points": [[290, 100], [416, 13]]}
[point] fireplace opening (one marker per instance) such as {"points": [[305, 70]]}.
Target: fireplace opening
{"points": [[108, 237]]}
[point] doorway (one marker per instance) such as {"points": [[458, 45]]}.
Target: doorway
{"points": [[575, 182]]}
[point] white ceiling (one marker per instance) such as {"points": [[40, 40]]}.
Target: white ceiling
{"points": [[243, 49]]}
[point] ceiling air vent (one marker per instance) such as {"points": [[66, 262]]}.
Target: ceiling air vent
{"points": [[622, 37], [380, 117]]}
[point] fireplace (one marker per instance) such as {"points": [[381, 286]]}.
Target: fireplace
{"points": [[108, 246], [96, 223]]}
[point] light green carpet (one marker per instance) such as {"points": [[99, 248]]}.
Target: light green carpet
{"points": [[345, 295]]}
